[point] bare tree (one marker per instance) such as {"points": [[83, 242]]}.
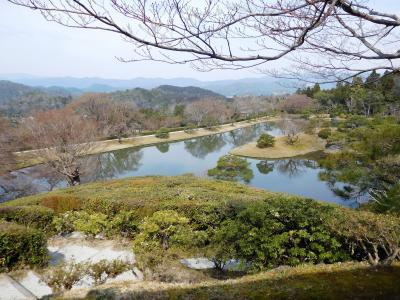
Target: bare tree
{"points": [[7, 146], [118, 118], [340, 37], [61, 139], [291, 128], [208, 112]]}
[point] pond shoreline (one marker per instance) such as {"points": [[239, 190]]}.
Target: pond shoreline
{"points": [[28, 158], [281, 150]]}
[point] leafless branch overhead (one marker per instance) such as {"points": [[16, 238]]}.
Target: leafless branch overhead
{"points": [[331, 38]]}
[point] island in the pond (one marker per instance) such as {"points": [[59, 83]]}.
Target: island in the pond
{"points": [[306, 144]]}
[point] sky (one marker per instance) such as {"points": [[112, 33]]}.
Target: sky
{"points": [[31, 45]]}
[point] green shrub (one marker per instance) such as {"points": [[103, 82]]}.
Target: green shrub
{"points": [[190, 129], [90, 224], [265, 141], [231, 167], [324, 133], [64, 276], [162, 133], [31, 216], [64, 224], [105, 269], [376, 236], [61, 203], [272, 233], [124, 223], [21, 246]]}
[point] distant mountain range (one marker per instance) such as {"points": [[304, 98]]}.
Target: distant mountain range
{"points": [[18, 99], [228, 88]]}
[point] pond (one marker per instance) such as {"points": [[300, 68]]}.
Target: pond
{"points": [[298, 176]]}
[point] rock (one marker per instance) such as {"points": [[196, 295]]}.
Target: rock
{"points": [[76, 235], [35, 285]]}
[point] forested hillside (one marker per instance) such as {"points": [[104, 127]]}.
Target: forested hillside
{"points": [[18, 99], [164, 95]]}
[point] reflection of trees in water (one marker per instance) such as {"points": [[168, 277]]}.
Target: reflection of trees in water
{"points": [[110, 164], [42, 178], [200, 147], [265, 167], [291, 167], [356, 191], [28, 181], [243, 135], [163, 148]]}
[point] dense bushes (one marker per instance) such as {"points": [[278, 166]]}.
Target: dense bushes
{"points": [[31, 216], [170, 218], [375, 237], [20, 246], [324, 133], [64, 276], [162, 133], [272, 233], [123, 223], [265, 141]]}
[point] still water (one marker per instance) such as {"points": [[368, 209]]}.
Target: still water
{"points": [[294, 176]]}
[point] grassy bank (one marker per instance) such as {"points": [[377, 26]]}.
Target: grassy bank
{"points": [[306, 144], [30, 158], [155, 191], [338, 281]]}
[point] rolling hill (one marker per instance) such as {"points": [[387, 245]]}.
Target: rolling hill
{"points": [[164, 95]]}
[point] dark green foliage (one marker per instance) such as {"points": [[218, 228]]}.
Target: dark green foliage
{"points": [[369, 162], [367, 97], [231, 167], [162, 133], [374, 237], [31, 216], [265, 141], [272, 233], [324, 133], [164, 95], [21, 246]]}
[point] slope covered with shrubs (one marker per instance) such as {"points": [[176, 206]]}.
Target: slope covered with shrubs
{"points": [[169, 218]]}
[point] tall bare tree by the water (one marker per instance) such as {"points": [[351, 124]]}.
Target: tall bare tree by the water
{"points": [[61, 139]]}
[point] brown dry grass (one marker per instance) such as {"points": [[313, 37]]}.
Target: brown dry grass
{"points": [[306, 144]]}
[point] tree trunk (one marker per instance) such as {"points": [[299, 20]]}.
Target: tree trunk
{"points": [[388, 260], [74, 178], [164, 242]]}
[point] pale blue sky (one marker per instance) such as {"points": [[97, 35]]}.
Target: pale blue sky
{"points": [[31, 45]]}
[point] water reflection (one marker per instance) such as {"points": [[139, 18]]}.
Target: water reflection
{"points": [[111, 164], [203, 146], [295, 176], [265, 167], [163, 148]]}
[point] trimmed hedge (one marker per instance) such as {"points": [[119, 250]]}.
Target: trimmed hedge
{"points": [[21, 246], [162, 133], [265, 141], [32, 216]]}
